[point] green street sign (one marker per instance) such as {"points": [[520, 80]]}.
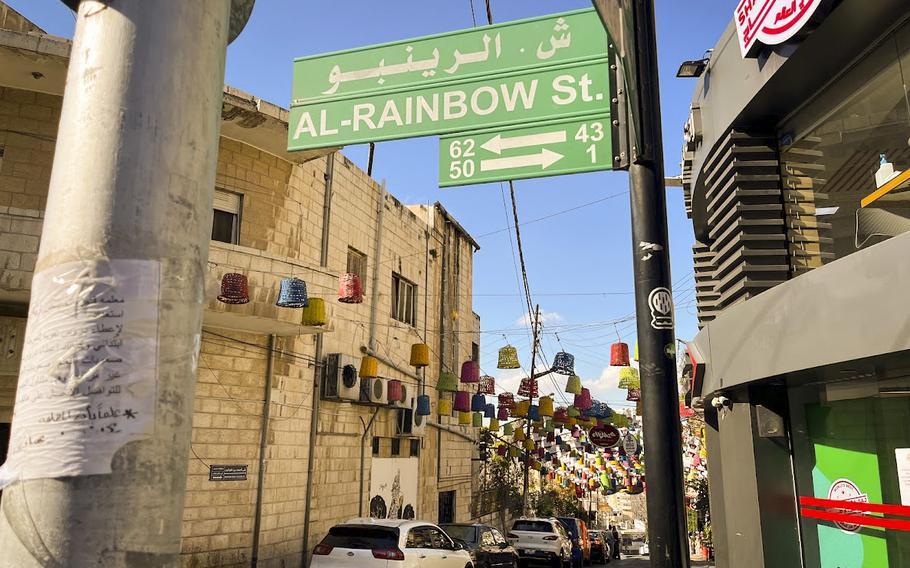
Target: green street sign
{"points": [[518, 98], [416, 64], [495, 76], [547, 149]]}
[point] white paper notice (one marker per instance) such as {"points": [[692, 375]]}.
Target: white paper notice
{"points": [[87, 384], [903, 473]]}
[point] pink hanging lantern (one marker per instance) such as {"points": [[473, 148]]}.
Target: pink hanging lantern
{"points": [[583, 401], [470, 372], [462, 401], [395, 391], [350, 289], [502, 413], [235, 288]]}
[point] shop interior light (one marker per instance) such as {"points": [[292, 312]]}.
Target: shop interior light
{"points": [[694, 68]]}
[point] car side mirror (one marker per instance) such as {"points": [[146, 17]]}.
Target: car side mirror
{"points": [[458, 545]]}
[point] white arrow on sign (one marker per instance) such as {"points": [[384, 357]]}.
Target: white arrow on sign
{"points": [[499, 143], [545, 158]]}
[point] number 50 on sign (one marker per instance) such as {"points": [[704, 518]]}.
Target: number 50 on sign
{"points": [[546, 149]]}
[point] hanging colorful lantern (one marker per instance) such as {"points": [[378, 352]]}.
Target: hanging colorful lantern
{"points": [[313, 313], [350, 289], [503, 413], [634, 395], [502, 450], [507, 401], [546, 406], [477, 419], [487, 385], [423, 406], [573, 385], [628, 378], [519, 435], [583, 400], [684, 411], [563, 364], [235, 288], [420, 355], [489, 411], [292, 293], [528, 388], [574, 412], [529, 444], [478, 403], [521, 408], [444, 407], [619, 354], [561, 415], [462, 401], [470, 372], [636, 351], [465, 418], [508, 429], [369, 367], [448, 382], [494, 424], [508, 358], [533, 412], [395, 391]]}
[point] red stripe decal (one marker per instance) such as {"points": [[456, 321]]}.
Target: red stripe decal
{"points": [[863, 520], [897, 510]]}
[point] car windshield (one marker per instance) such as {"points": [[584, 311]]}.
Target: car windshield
{"points": [[465, 533], [361, 537], [532, 526]]}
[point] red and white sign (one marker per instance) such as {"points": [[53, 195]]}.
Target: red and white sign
{"points": [[605, 436], [771, 22]]}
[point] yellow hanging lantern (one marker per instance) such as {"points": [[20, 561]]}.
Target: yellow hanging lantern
{"points": [[571, 422], [494, 424], [529, 444], [369, 367], [513, 452], [628, 378], [519, 435], [420, 355], [464, 418], [444, 407], [546, 407], [573, 385], [521, 408], [313, 314], [636, 351], [508, 358]]}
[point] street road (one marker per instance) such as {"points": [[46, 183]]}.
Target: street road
{"points": [[643, 562]]}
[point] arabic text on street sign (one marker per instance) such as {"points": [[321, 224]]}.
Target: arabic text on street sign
{"points": [[516, 73], [562, 92], [477, 52], [545, 149]]}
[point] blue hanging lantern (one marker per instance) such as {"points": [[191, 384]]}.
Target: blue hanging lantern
{"points": [[423, 405], [534, 413], [478, 403], [563, 364], [292, 294], [489, 411]]}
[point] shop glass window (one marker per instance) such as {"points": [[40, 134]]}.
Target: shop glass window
{"points": [[404, 300], [226, 221], [845, 159]]}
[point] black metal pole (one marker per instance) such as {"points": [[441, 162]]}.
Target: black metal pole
{"points": [[654, 309]]}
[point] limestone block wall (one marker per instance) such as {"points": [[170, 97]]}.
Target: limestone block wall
{"points": [[28, 131]]}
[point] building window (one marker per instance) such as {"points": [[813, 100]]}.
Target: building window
{"points": [[404, 300], [226, 222], [415, 447], [475, 352], [396, 446], [357, 264], [446, 506], [375, 445]]}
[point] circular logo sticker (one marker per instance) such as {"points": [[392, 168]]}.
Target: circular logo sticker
{"points": [[605, 436], [845, 490]]}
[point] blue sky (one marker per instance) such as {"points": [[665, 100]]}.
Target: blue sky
{"points": [[579, 263]]}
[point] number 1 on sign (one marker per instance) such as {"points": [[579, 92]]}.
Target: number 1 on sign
{"points": [[592, 150]]}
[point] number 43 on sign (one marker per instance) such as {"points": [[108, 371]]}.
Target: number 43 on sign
{"points": [[545, 149]]}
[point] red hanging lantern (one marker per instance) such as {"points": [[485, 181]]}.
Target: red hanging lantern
{"points": [[507, 401], [619, 354], [528, 388], [634, 395], [561, 415], [470, 372], [487, 385], [235, 289], [463, 401], [395, 391], [350, 289]]}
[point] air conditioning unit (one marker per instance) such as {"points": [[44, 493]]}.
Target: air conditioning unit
{"points": [[340, 377], [378, 393], [409, 423], [407, 390]]}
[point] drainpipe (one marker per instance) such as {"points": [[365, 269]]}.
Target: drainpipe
{"points": [[317, 367], [377, 252], [263, 442], [442, 334], [366, 430]]}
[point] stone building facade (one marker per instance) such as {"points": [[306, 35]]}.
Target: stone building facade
{"points": [[261, 384]]}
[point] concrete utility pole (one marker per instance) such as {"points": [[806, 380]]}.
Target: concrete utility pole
{"points": [[98, 456]]}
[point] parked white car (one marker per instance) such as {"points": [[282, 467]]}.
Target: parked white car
{"points": [[541, 541], [382, 543]]}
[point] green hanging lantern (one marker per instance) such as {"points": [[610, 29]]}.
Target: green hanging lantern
{"points": [[573, 385], [448, 382]]}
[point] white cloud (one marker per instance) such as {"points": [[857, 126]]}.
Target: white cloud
{"points": [[545, 317]]}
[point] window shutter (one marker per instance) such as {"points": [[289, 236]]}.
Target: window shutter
{"points": [[227, 201]]}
